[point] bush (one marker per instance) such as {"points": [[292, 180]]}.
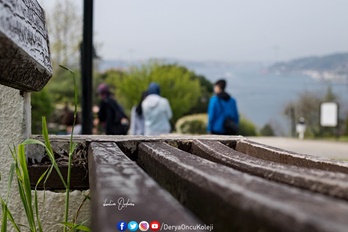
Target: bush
{"points": [[246, 127], [267, 130], [177, 84], [192, 124], [197, 124]]}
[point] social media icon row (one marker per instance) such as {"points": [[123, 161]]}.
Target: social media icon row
{"points": [[134, 226]]}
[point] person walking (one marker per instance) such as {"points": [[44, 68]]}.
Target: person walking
{"points": [[223, 117], [111, 114], [137, 126], [156, 111]]}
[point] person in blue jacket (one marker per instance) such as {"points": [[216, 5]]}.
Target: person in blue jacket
{"points": [[222, 106]]}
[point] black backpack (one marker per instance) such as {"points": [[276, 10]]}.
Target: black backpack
{"points": [[231, 128]]}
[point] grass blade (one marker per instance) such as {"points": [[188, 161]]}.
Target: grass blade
{"points": [[36, 200], [4, 216], [24, 186], [50, 156], [72, 149], [7, 215], [45, 135], [73, 227]]}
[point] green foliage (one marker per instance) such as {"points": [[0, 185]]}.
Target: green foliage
{"points": [[207, 89], [192, 124], [267, 130], [42, 105], [193, 127], [61, 87], [197, 124], [246, 127], [178, 85]]}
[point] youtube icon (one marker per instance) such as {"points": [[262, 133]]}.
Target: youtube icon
{"points": [[155, 225]]}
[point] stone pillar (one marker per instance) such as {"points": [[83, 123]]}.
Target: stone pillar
{"points": [[14, 115]]}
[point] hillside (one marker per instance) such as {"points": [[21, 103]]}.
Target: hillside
{"points": [[333, 66]]}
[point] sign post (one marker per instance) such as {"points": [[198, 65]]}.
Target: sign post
{"points": [[87, 67], [329, 115]]}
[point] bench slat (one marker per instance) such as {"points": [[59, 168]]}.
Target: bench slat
{"points": [[286, 157], [114, 176], [334, 184], [239, 201]]}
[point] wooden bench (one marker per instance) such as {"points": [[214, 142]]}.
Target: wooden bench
{"points": [[229, 182]]}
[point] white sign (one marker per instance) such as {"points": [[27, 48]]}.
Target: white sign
{"points": [[329, 114]]}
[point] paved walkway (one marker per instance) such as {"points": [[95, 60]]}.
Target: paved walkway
{"points": [[329, 149]]}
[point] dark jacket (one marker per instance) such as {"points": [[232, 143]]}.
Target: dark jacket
{"points": [[110, 114]]}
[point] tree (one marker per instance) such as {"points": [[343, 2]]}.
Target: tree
{"points": [[307, 106], [65, 33], [178, 85]]}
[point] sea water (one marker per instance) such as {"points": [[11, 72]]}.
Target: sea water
{"points": [[263, 96]]}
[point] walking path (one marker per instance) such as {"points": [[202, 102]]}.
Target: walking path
{"points": [[328, 149]]}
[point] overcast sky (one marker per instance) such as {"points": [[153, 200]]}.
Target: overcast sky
{"points": [[222, 30]]}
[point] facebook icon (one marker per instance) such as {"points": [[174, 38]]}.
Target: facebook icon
{"points": [[121, 226]]}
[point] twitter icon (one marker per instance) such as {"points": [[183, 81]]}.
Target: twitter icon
{"points": [[133, 226]]}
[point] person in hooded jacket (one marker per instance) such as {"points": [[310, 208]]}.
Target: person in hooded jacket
{"points": [[221, 106], [156, 111], [137, 126]]}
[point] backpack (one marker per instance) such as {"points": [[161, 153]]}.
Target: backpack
{"points": [[231, 128]]}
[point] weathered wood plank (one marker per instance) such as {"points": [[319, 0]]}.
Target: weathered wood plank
{"points": [[79, 177], [115, 179], [236, 201], [24, 46], [281, 156], [329, 183]]}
